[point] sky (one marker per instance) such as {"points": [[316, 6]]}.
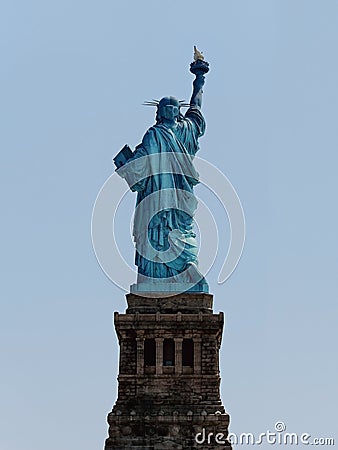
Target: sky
{"points": [[73, 79]]}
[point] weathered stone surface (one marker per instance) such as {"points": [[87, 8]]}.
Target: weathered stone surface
{"points": [[165, 406], [185, 303]]}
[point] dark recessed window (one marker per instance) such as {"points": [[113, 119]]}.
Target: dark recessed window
{"points": [[168, 352], [188, 352], [149, 352]]}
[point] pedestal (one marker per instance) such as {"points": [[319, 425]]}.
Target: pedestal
{"points": [[169, 380]]}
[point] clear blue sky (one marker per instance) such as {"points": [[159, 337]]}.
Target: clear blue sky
{"points": [[73, 77]]}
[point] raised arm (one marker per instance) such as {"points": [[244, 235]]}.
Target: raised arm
{"points": [[199, 68], [196, 97]]}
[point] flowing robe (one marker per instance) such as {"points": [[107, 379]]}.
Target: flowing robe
{"points": [[161, 171]]}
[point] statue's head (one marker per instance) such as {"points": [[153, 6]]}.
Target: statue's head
{"points": [[168, 108]]}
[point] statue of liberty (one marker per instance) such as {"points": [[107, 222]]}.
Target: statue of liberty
{"points": [[162, 173]]}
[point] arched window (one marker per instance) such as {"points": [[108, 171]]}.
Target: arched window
{"points": [[149, 352], [168, 352], [188, 352]]}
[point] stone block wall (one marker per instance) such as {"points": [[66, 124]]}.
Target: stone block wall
{"points": [[166, 404]]}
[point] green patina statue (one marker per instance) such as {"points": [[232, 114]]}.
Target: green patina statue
{"points": [[162, 173]]}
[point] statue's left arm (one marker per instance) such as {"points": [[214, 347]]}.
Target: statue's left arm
{"points": [[136, 169]]}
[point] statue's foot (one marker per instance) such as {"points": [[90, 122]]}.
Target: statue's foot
{"points": [[195, 276]]}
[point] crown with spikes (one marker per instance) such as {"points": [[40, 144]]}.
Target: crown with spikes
{"points": [[154, 102]]}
